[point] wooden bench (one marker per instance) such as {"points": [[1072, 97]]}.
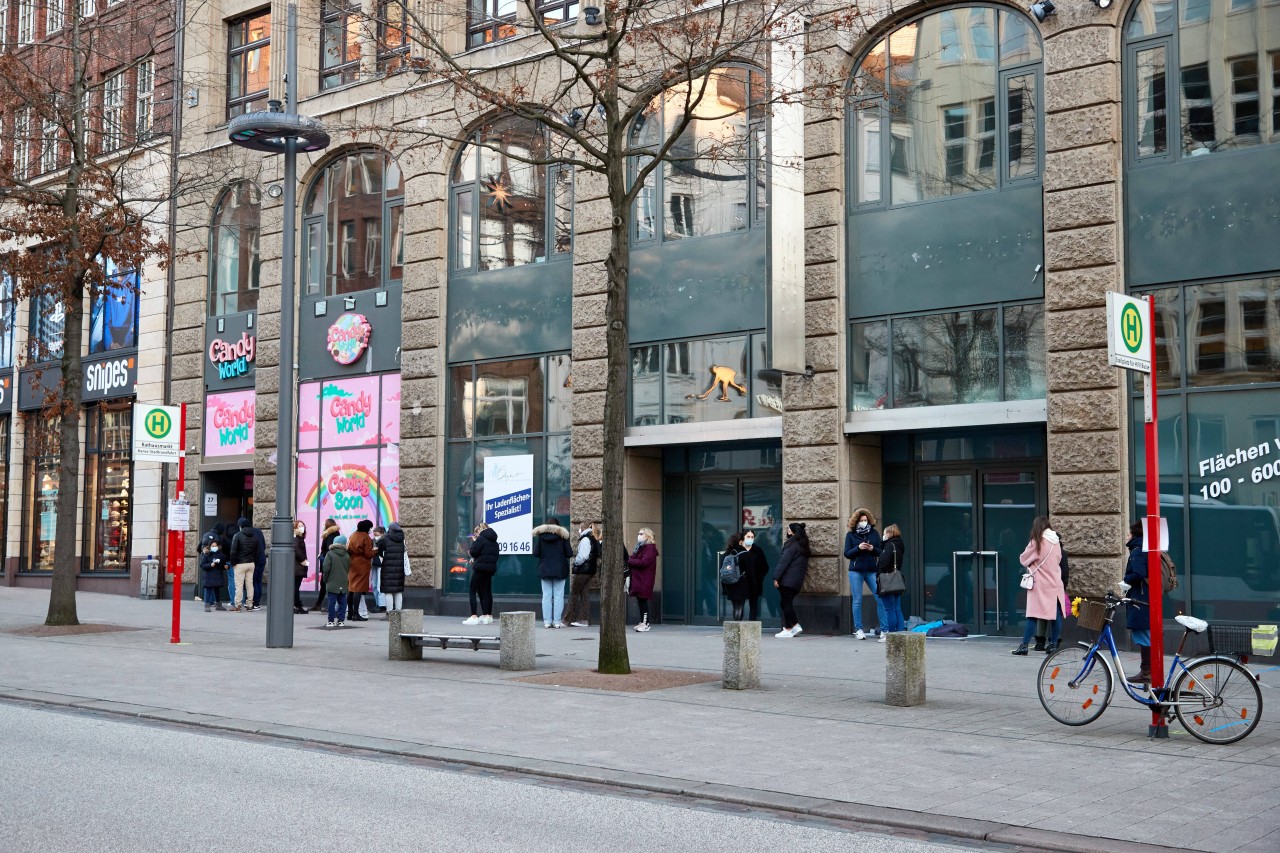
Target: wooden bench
{"points": [[406, 639], [443, 641]]}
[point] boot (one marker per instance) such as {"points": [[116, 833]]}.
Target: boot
{"points": [[1039, 647], [1050, 648], [1020, 650], [1144, 672], [737, 611]]}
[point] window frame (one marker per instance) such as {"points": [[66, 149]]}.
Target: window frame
{"points": [[239, 104], [113, 111], [40, 455], [42, 348], [492, 27], [216, 300], [391, 59], [474, 186], [50, 146], [95, 463], [346, 72], [144, 98], [22, 143], [758, 131], [55, 17], [876, 100], [389, 214], [26, 30]]}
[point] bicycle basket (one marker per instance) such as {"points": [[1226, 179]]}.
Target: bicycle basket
{"points": [[1093, 615], [1230, 640]]}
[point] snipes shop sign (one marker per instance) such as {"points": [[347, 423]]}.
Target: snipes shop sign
{"points": [[101, 379]]}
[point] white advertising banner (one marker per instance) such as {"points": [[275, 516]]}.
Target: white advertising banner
{"points": [[508, 501]]}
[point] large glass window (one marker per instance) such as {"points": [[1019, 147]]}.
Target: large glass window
{"points": [[510, 207], [40, 449], [8, 323], [340, 23], [233, 255], [961, 106], [248, 63], [505, 408], [393, 34], [696, 381], [108, 498], [48, 325], [708, 183], [1213, 68], [113, 318], [974, 356], [352, 227]]}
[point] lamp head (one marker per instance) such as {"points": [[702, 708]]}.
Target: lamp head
{"points": [[591, 15], [1045, 8]]}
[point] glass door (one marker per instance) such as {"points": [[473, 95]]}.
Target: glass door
{"points": [[947, 545], [1010, 504], [718, 508], [762, 515], [716, 514]]}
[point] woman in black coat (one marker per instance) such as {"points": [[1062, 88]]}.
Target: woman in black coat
{"points": [[754, 566], [793, 565], [1138, 620], [484, 565], [395, 558], [299, 564]]}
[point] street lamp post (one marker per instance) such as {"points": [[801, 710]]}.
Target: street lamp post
{"points": [[283, 131]]}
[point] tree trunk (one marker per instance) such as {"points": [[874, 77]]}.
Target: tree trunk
{"points": [[613, 657], [62, 592]]}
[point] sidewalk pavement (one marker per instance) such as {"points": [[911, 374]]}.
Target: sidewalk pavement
{"points": [[981, 759]]}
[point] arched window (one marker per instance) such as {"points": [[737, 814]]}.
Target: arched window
{"points": [[1201, 77], [947, 104], [510, 206], [352, 226], [233, 255], [714, 179]]}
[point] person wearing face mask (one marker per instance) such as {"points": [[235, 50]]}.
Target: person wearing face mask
{"points": [[586, 562], [793, 566], [862, 549], [213, 574], [754, 566], [643, 565], [300, 564]]}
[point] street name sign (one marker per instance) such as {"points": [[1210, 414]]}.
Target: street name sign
{"points": [[157, 433]]}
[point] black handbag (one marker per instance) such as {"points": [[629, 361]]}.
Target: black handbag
{"points": [[892, 582]]}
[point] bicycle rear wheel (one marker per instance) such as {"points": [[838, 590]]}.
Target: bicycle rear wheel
{"points": [[1218, 700], [1075, 693]]}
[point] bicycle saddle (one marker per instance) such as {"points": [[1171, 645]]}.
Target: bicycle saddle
{"points": [[1191, 623]]}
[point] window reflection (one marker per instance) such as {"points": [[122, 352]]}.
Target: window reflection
{"points": [[1233, 331], [695, 381], [946, 358], [233, 276], [352, 212], [869, 366], [705, 182]]}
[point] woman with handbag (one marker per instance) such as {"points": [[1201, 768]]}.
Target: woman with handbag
{"points": [[1042, 558], [484, 564], [891, 584]]}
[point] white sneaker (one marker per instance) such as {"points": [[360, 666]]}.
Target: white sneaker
{"points": [[579, 624], [860, 634], [486, 620], [797, 630], [784, 634], [471, 620], [884, 638], [329, 624], [558, 625], [546, 624], [642, 627]]}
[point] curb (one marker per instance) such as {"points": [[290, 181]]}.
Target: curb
{"points": [[792, 804]]}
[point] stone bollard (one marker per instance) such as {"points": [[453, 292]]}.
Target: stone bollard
{"points": [[904, 670], [741, 655], [516, 631], [406, 622]]}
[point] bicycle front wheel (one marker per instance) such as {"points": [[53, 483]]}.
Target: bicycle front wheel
{"points": [[1218, 700], [1075, 691]]}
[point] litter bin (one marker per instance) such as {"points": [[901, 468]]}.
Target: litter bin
{"points": [[150, 579]]}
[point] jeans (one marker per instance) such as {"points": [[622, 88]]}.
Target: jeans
{"points": [[394, 600], [231, 583], [375, 586], [337, 606], [1036, 627], [552, 600], [891, 605], [210, 596], [856, 580], [258, 571], [480, 592], [244, 584]]}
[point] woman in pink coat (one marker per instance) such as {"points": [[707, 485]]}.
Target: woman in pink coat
{"points": [[1042, 559], [643, 564]]}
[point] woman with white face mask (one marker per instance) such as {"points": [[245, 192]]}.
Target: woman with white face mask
{"points": [[643, 564], [754, 566], [862, 549]]}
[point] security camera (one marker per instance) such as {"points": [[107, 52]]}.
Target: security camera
{"points": [[1045, 8]]}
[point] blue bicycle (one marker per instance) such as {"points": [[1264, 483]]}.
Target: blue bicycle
{"points": [[1215, 697]]}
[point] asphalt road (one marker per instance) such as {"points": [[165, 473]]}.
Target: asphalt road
{"points": [[80, 782]]}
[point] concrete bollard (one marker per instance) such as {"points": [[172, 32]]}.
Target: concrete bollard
{"points": [[904, 670], [407, 622], [516, 631], [741, 655]]}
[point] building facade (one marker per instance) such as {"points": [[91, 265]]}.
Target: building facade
{"points": [[967, 205], [128, 54]]}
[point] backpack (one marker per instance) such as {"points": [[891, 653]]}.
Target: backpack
{"points": [[1168, 573], [594, 557], [730, 573]]}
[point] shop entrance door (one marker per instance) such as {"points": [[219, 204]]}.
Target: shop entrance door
{"points": [[233, 491], [973, 524], [720, 506]]}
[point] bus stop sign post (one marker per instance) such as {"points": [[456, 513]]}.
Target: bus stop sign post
{"points": [[178, 537], [1131, 344]]}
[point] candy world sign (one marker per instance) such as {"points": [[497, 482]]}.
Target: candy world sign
{"points": [[348, 337]]}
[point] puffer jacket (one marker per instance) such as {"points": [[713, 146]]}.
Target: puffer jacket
{"points": [[392, 548], [859, 560], [484, 552], [337, 562], [244, 547], [793, 565], [551, 547]]}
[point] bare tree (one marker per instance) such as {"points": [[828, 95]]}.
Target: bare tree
{"points": [[619, 92], [83, 191]]}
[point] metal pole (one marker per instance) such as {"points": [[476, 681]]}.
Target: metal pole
{"points": [[280, 592], [178, 539], [1155, 582]]}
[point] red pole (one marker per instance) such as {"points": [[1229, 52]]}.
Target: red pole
{"points": [[178, 539], [1155, 581]]}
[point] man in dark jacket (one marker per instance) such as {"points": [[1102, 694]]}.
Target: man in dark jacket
{"points": [[552, 549], [259, 562], [244, 555]]}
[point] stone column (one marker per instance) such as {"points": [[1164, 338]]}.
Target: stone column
{"points": [[904, 681], [590, 350], [403, 622], [1089, 478], [516, 630], [741, 655]]}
